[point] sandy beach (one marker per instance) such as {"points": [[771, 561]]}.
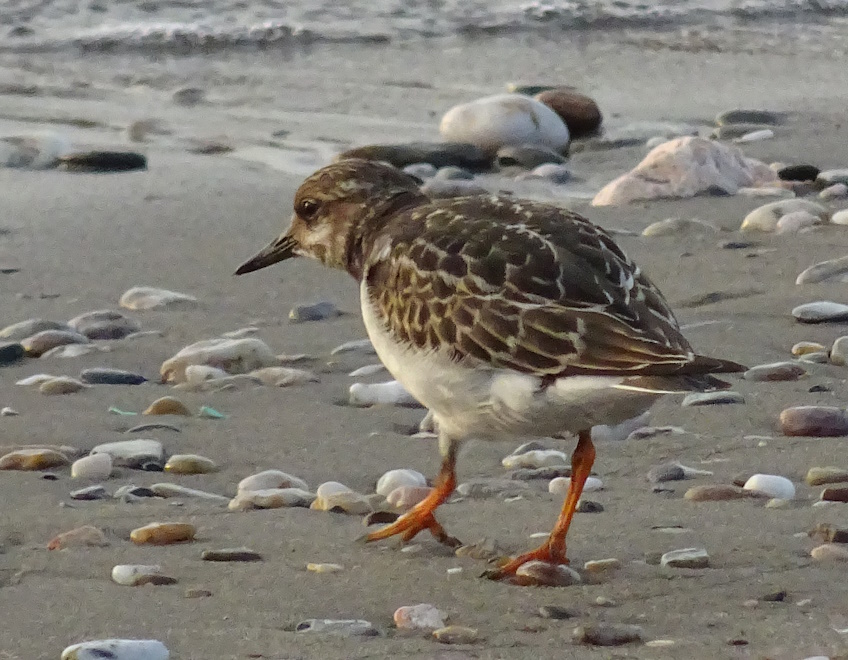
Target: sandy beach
{"points": [[77, 241]]}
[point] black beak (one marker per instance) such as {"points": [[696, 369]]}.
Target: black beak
{"points": [[277, 250]]}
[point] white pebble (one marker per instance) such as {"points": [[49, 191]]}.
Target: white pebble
{"points": [[271, 498], [560, 485], [367, 370], [397, 478], [686, 558], [35, 379], [390, 392], [96, 466], [771, 485], [117, 649], [136, 575], [535, 458], [756, 136], [270, 479], [144, 298], [419, 617]]}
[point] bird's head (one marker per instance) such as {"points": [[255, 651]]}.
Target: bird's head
{"points": [[335, 210]]}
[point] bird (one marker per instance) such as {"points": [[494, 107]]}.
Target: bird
{"points": [[504, 317]]}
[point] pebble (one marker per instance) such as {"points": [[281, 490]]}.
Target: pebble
{"points": [[406, 497], [147, 298], [367, 370], [677, 226], [776, 371], [546, 473], [167, 405], [560, 485], [840, 217], [556, 612], [608, 634], [320, 311], [28, 328], [388, 393], [153, 426], [495, 121], [802, 172], [806, 347], [235, 356], [36, 458], [133, 493], [190, 464], [6, 411], [70, 351], [163, 533], [96, 466], [756, 136], [830, 177], [89, 493], [85, 536], [588, 506], [740, 116], [285, 376], [713, 493], [835, 494], [270, 479], [829, 533], [362, 346], [231, 554], [456, 635], [767, 191], [602, 565], [666, 472], [167, 490], [132, 453], [482, 488], [819, 476], [104, 324], [61, 385], [106, 376], [37, 151], [765, 218], [830, 552], [552, 172], [836, 191], [712, 398], [10, 352], [815, 421], [544, 574], [41, 342], [271, 498], [453, 173], [419, 617], [833, 270], [117, 649], [795, 222], [821, 311], [579, 112], [313, 567], [535, 458], [771, 485], [839, 351], [685, 167], [138, 575], [686, 558], [528, 156], [435, 154], [333, 496], [420, 171], [338, 627]]}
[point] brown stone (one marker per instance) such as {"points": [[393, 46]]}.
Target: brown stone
{"points": [[835, 494], [815, 421], [714, 493], [579, 112]]}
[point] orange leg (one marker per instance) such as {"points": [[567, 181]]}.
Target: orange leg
{"points": [[553, 550], [421, 516]]}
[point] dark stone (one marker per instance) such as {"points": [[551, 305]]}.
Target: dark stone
{"points": [[106, 376], [588, 506], [380, 518], [557, 612], [739, 116], [10, 352], [579, 112], [103, 161], [438, 154], [798, 173]]}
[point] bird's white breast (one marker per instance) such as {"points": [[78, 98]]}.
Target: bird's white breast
{"points": [[475, 401]]}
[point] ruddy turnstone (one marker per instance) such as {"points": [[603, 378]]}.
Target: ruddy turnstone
{"points": [[503, 317]]}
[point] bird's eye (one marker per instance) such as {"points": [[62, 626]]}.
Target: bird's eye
{"points": [[308, 208]]}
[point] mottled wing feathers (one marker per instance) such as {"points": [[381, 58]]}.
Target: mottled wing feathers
{"points": [[524, 286]]}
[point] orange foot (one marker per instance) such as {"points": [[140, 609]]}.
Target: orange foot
{"points": [[421, 516], [546, 553]]}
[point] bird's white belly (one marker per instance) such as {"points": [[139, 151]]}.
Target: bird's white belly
{"points": [[490, 403]]}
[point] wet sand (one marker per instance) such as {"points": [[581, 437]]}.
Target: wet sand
{"points": [[81, 240]]}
